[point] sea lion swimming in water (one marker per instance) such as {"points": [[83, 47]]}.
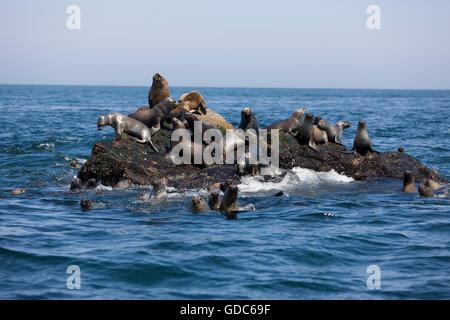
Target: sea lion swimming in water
{"points": [[432, 184], [159, 188], [199, 205], [426, 192], [121, 123], [156, 117], [214, 201], [228, 203], [305, 134], [292, 124], [158, 91], [362, 143], [408, 182]]}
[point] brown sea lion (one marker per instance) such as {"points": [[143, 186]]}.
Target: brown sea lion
{"points": [[156, 117], [158, 91], [190, 120], [292, 124], [18, 191], [305, 134], [334, 132], [408, 182], [432, 184], [248, 120], [214, 201], [320, 136], [362, 143], [316, 120], [85, 204], [426, 192], [193, 102], [199, 205], [228, 203]]}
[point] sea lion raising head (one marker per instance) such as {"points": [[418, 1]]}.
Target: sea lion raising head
{"points": [[426, 192], [305, 135], [214, 201], [199, 205], [248, 120], [408, 182], [228, 203], [158, 91], [362, 143], [292, 124]]}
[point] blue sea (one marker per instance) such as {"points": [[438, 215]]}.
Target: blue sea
{"points": [[316, 242]]}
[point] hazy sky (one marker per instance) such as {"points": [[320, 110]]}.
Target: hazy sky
{"points": [[304, 44]]}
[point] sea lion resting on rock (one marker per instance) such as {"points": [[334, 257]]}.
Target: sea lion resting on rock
{"points": [[292, 124], [320, 136], [362, 143], [193, 102], [408, 182], [248, 120], [121, 123], [426, 192], [187, 144], [157, 117], [189, 123], [305, 135], [158, 91], [334, 132]]}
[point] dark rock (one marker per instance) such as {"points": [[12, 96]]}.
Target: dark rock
{"points": [[129, 160]]}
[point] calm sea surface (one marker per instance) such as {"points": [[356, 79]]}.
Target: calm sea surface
{"points": [[314, 243]]}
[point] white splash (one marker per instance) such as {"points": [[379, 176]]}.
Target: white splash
{"points": [[294, 178]]}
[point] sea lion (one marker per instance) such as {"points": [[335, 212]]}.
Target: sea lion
{"points": [[320, 136], [156, 117], [362, 143], [224, 185], [228, 203], [85, 204], [329, 128], [189, 123], [91, 183], [432, 184], [193, 102], [305, 135], [292, 124], [426, 192], [190, 145], [316, 120], [122, 185], [158, 91], [199, 205], [214, 201], [159, 188], [18, 191], [248, 120], [340, 126], [76, 184], [408, 182], [121, 123], [74, 164], [401, 149]]}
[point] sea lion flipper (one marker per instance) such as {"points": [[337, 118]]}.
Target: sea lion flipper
{"points": [[150, 143]]}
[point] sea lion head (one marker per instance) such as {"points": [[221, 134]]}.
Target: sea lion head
{"points": [[214, 200], [157, 78], [177, 123], [224, 185], [229, 198], [317, 119], [426, 192], [344, 124], [309, 117], [101, 122], [246, 112], [361, 124], [197, 202], [299, 113]]}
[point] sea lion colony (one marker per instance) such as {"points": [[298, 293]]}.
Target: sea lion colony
{"points": [[166, 113]]}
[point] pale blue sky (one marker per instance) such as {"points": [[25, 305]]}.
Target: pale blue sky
{"points": [[302, 44]]}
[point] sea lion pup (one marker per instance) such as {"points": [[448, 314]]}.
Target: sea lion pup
{"points": [[248, 120], [305, 135], [214, 201], [159, 188], [432, 184], [292, 124], [121, 123], [426, 192], [408, 182], [156, 117], [228, 203], [158, 91], [193, 102], [362, 143], [199, 205]]}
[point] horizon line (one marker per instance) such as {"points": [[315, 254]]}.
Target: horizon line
{"points": [[217, 87]]}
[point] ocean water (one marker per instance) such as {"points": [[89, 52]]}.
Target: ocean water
{"points": [[316, 242]]}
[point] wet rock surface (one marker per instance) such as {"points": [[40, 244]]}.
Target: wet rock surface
{"points": [[128, 160]]}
